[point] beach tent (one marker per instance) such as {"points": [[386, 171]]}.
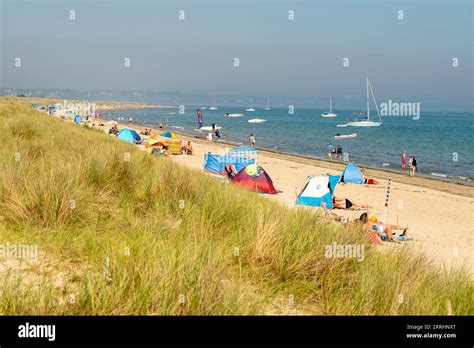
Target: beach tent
{"points": [[78, 119], [255, 178], [128, 135], [169, 135], [214, 164], [352, 174], [318, 189]]}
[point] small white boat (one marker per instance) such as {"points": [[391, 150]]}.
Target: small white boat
{"points": [[345, 136], [257, 120], [234, 115], [250, 109], [329, 114], [341, 126], [209, 128]]}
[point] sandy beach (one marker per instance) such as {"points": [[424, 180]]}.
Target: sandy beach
{"points": [[438, 213]]}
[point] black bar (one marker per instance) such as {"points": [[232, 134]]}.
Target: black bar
{"points": [[285, 330]]}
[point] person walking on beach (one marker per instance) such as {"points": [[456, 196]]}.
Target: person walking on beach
{"points": [[199, 115], [161, 126], [404, 160], [252, 140]]}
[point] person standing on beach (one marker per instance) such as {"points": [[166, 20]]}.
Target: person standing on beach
{"points": [[339, 153], [199, 114], [404, 160], [413, 165], [330, 151], [252, 140]]}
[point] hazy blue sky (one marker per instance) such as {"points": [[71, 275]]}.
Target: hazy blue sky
{"points": [[408, 60]]}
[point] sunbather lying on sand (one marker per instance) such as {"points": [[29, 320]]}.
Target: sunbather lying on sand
{"points": [[367, 179], [372, 224], [344, 203]]}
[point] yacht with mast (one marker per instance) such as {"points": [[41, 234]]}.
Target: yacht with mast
{"points": [[365, 121], [329, 114]]}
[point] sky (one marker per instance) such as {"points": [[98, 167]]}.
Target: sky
{"points": [[409, 60]]}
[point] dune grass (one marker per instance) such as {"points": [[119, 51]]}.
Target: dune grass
{"points": [[120, 232]]}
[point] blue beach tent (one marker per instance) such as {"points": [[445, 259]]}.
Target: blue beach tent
{"points": [[78, 119], [352, 174], [128, 135], [214, 164], [317, 190]]}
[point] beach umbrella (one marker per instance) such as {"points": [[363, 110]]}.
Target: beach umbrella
{"points": [[170, 135], [154, 142]]}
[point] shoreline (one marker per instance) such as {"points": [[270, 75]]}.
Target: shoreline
{"points": [[446, 185], [394, 172]]}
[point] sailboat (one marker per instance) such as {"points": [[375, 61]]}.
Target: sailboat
{"points": [[329, 114], [268, 108], [365, 121], [213, 107], [250, 109]]}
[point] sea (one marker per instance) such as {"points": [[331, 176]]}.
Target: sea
{"points": [[442, 142]]}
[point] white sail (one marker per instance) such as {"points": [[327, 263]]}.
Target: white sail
{"points": [[268, 108]]}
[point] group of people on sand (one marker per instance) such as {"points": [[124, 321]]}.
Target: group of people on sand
{"points": [[376, 230], [334, 152], [146, 131], [113, 130], [214, 134], [412, 163]]}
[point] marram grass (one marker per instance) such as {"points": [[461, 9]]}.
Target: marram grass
{"points": [[120, 232]]}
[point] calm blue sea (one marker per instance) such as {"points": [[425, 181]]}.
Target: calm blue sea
{"points": [[442, 142]]}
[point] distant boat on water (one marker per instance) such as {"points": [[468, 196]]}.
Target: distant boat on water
{"points": [[213, 107], [268, 108], [234, 115], [250, 109], [257, 120], [329, 114], [365, 121], [345, 136]]}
